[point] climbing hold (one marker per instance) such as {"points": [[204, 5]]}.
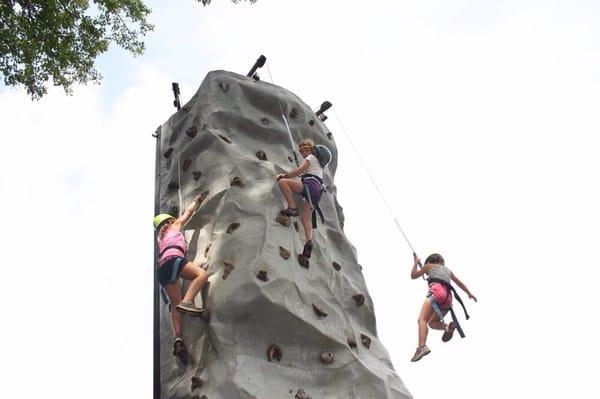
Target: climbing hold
{"points": [[192, 131], [366, 341], [337, 266], [180, 352], [204, 265], [296, 226], [226, 139], [197, 382], [290, 159], [330, 136], [228, 269], [301, 394], [265, 121], [326, 357], [203, 196], [236, 182], [260, 154], [262, 275], [274, 352], [173, 186], [311, 122], [283, 220], [351, 343], [293, 113], [186, 164], [232, 227], [173, 209], [359, 299], [285, 254], [303, 260], [207, 249], [205, 316], [224, 86], [320, 312], [196, 175], [168, 153]]}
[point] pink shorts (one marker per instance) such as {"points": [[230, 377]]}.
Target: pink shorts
{"points": [[440, 294]]}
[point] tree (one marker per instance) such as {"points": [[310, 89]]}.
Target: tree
{"points": [[59, 40]]}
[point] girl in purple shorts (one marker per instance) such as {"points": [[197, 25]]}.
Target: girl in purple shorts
{"points": [[439, 278], [312, 179]]}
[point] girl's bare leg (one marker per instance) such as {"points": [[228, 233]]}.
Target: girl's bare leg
{"points": [[174, 293], [424, 316], [198, 277], [306, 222], [435, 323], [288, 187]]}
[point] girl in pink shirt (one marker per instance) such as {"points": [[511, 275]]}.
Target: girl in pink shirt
{"points": [[439, 278], [172, 265]]}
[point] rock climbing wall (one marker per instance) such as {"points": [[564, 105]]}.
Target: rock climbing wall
{"points": [[276, 328]]}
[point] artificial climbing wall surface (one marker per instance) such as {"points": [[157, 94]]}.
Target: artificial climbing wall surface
{"points": [[277, 327]]}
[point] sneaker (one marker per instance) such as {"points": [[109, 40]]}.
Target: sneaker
{"points": [[290, 212], [449, 332], [420, 352], [189, 309], [307, 251]]}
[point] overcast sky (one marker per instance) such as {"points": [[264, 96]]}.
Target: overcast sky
{"points": [[477, 119]]}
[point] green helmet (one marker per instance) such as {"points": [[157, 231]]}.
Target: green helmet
{"points": [[160, 219]]}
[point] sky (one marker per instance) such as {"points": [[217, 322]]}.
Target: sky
{"points": [[477, 120]]}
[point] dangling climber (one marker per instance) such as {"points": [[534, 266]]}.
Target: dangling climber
{"points": [[310, 186], [172, 264], [438, 301]]}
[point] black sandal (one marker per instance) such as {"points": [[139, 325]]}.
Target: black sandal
{"points": [[307, 251], [290, 212]]}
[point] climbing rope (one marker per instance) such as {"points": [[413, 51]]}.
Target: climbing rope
{"points": [[287, 125], [364, 165], [179, 184]]}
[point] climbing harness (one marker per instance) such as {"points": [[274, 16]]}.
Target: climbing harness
{"points": [[171, 247], [436, 308]]}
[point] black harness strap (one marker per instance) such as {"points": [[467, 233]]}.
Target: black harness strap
{"points": [[171, 247], [316, 207]]}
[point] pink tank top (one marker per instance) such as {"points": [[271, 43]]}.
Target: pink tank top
{"points": [[176, 241]]}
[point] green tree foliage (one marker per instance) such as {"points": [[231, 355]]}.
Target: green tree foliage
{"points": [[60, 39], [207, 2]]}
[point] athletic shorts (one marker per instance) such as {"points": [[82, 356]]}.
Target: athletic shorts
{"points": [[169, 271], [440, 294], [314, 189]]}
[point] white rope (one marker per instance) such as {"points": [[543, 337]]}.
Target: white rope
{"points": [[287, 126], [179, 184], [373, 180]]}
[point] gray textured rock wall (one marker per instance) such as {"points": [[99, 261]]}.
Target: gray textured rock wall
{"points": [[229, 142]]}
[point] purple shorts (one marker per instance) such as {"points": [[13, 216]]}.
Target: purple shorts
{"points": [[314, 189], [440, 295]]}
